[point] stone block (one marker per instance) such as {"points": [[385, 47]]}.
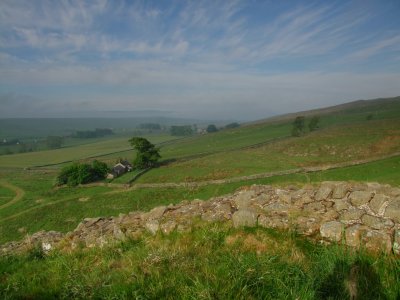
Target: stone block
{"points": [[314, 207], [396, 241], [323, 192], [168, 227], [156, 213], [243, 199], [276, 208], [340, 191], [377, 202], [307, 226], [152, 226], [353, 235], [352, 214], [341, 204], [393, 210], [359, 198], [377, 241], [376, 222], [332, 230], [273, 222]]}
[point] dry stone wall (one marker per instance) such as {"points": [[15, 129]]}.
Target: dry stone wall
{"points": [[358, 215]]}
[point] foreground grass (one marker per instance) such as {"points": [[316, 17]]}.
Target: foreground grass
{"points": [[213, 262]]}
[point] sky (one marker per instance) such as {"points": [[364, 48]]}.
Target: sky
{"points": [[237, 60]]}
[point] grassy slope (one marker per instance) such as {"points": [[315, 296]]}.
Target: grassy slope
{"points": [[351, 138], [331, 145], [214, 262], [209, 263], [62, 210], [99, 148]]}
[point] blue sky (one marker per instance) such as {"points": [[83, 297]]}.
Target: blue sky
{"points": [[204, 59]]}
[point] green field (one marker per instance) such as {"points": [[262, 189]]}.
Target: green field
{"points": [[247, 150], [340, 143], [201, 264], [44, 207], [110, 148]]}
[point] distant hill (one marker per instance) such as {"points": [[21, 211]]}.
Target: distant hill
{"points": [[360, 106]]}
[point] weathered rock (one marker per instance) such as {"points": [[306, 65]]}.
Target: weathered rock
{"points": [[359, 198], [377, 202], [117, 233], [152, 226], [323, 192], [244, 217], [332, 230], [243, 199], [314, 207], [156, 213], [374, 186], [305, 199], [353, 235], [330, 215], [353, 214], [87, 222], [340, 191], [396, 241], [341, 204], [307, 226], [393, 210], [262, 199], [377, 241], [273, 222], [168, 227], [220, 212], [277, 208], [376, 223], [328, 204], [284, 197], [394, 192], [371, 222]]}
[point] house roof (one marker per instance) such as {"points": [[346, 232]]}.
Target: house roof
{"points": [[119, 169], [126, 163]]}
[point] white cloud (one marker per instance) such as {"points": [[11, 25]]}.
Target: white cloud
{"points": [[195, 54]]}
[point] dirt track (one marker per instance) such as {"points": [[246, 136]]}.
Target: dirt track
{"points": [[19, 193]]}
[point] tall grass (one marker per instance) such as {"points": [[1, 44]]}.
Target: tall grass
{"points": [[212, 262]]}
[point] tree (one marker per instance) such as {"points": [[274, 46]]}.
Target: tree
{"points": [[181, 130], [298, 126], [147, 154], [54, 142], [211, 128], [99, 170], [78, 173], [232, 125], [313, 125], [370, 117]]}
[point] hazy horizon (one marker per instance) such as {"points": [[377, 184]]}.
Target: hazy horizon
{"points": [[206, 60]]}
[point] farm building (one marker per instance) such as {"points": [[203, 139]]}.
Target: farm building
{"points": [[119, 169]]}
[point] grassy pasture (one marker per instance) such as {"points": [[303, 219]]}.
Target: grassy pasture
{"points": [[331, 145], [82, 151], [44, 208], [228, 155]]}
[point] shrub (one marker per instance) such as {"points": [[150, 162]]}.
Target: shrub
{"points": [[78, 173]]}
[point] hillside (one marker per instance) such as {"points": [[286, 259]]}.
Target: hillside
{"points": [[379, 106], [348, 146], [201, 249]]}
